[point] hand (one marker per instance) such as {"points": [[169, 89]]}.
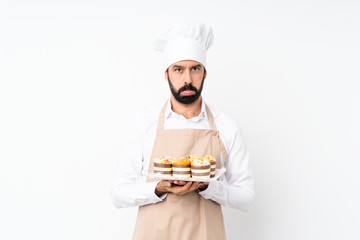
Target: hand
{"points": [[178, 182], [176, 187], [203, 186]]}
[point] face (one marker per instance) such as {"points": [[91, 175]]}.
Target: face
{"points": [[186, 79]]}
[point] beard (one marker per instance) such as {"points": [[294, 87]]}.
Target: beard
{"points": [[186, 99]]}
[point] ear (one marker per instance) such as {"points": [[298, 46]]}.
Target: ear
{"points": [[205, 73], [166, 75]]}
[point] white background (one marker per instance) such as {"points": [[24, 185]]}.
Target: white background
{"points": [[71, 73]]}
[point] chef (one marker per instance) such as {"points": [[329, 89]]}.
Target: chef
{"points": [[185, 124]]}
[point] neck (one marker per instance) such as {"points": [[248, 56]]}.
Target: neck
{"points": [[187, 110]]}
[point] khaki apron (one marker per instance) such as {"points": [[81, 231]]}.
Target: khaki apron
{"points": [[190, 216]]}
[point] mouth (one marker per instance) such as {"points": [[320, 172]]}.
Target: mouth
{"points": [[187, 93]]}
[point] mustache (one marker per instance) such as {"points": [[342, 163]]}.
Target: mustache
{"points": [[187, 87]]}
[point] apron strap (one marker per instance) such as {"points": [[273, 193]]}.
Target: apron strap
{"points": [[161, 119], [210, 118], [223, 151]]}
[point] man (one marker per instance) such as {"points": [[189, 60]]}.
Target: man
{"points": [[185, 125]]}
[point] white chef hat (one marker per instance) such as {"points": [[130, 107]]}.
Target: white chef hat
{"points": [[185, 42]]}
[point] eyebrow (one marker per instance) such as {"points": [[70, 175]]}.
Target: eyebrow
{"points": [[199, 66], [178, 66]]}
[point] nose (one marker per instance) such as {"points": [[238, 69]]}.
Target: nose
{"points": [[187, 78]]}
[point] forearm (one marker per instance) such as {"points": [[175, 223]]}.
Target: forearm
{"points": [[229, 195], [135, 194]]}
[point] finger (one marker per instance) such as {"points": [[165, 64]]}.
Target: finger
{"points": [[181, 183], [193, 187], [183, 189], [189, 187]]}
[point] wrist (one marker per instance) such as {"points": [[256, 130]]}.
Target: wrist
{"points": [[160, 190], [202, 189]]}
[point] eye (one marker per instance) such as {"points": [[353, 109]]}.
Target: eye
{"points": [[197, 68], [177, 69]]}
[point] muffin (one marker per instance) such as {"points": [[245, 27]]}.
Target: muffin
{"points": [[163, 165], [200, 168], [181, 167], [212, 161]]}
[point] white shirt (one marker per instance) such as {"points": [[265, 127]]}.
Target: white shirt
{"points": [[236, 188]]}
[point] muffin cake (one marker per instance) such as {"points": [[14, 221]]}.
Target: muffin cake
{"points": [[163, 165], [181, 167], [212, 161], [200, 168]]}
